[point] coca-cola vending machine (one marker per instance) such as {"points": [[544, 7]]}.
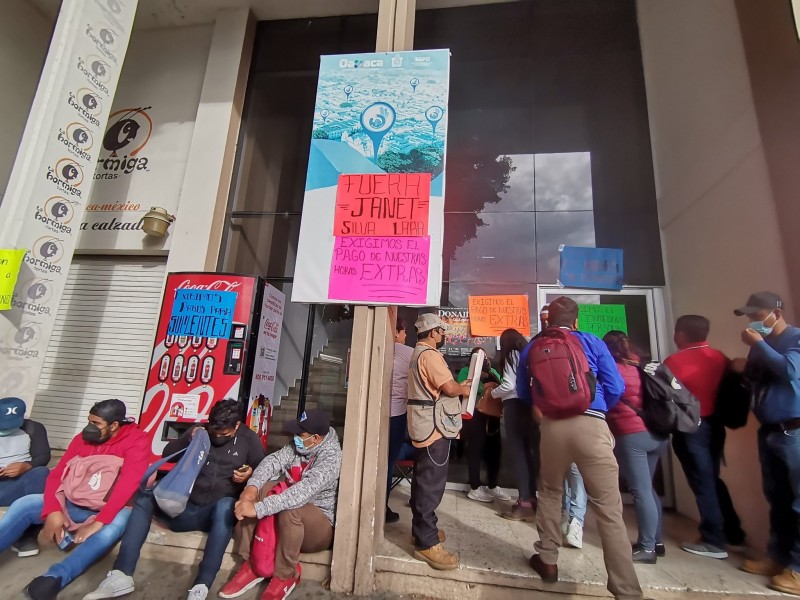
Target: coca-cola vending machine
{"points": [[190, 373]]}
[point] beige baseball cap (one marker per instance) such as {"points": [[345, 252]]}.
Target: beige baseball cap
{"points": [[428, 321]]}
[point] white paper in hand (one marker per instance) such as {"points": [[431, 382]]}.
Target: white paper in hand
{"points": [[475, 370]]}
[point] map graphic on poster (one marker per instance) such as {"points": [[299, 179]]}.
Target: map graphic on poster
{"points": [[375, 114]]}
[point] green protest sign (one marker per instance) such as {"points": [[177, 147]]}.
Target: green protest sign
{"points": [[10, 261], [599, 319]]}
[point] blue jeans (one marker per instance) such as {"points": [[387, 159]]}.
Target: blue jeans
{"points": [[779, 453], [638, 455], [27, 511], [398, 426], [575, 495], [700, 454], [32, 482], [216, 518]]}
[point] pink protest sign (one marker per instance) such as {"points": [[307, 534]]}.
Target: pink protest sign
{"points": [[380, 270]]}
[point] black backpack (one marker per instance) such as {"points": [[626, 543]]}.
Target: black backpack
{"points": [[667, 407], [733, 400]]}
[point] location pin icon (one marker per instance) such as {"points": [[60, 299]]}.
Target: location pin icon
{"points": [[324, 114], [414, 83], [434, 114], [376, 120], [348, 89]]}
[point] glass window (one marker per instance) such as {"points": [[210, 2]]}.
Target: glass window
{"points": [[264, 245], [556, 228]]}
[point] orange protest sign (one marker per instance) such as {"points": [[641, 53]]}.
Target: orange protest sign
{"points": [[382, 205], [492, 315]]}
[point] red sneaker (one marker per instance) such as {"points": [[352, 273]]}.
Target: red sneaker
{"points": [[278, 589], [243, 581]]}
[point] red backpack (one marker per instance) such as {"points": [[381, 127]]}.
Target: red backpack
{"points": [[562, 384]]}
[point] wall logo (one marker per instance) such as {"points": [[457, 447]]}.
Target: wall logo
{"points": [[45, 253], [78, 140], [87, 104], [67, 175], [360, 64], [219, 285], [13, 381], [22, 342], [106, 38], [127, 134], [97, 71], [33, 296], [56, 214]]}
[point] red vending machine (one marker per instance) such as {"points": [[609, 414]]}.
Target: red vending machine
{"points": [[189, 374]]}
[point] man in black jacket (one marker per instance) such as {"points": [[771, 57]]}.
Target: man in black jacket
{"points": [[234, 451], [24, 454]]}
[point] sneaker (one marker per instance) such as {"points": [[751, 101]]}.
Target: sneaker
{"points": [[391, 516], [787, 582], [115, 584], [661, 549], [44, 588], [575, 534], [765, 567], [198, 592], [498, 494], [26, 547], [520, 513], [244, 581], [480, 494], [278, 588], [705, 549], [645, 557], [437, 557]]}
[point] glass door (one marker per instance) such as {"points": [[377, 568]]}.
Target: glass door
{"points": [[640, 313]]}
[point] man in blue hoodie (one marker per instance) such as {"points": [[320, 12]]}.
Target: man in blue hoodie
{"points": [[773, 367], [586, 441]]}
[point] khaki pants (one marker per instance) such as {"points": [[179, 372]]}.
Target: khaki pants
{"points": [[587, 442], [304, 529]]}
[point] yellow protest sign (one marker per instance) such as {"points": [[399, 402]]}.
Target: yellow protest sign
{"points": [[10, 261]]}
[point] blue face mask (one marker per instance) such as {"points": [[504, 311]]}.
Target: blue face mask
{"points": [[760, 327], [299, 443]]}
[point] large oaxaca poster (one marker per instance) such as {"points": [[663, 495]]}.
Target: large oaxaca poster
{"points": [[373, 211]]}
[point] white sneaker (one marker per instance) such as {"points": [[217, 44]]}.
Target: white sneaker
{"points": [[498, 494], [575, 534], [115, 584], [198, 592], [480, 494]]}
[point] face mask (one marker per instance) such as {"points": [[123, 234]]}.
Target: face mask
{"points": [[299, 443], [6, 432], [92, 434], [219, 440], [760, 327]]}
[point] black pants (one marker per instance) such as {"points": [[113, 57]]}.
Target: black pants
{"points": [[483, 443], [427, 488], [522, 441]]}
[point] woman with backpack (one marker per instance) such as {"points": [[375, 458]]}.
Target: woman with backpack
{"points": [[637, 450], [522, 432], [83, 507]]}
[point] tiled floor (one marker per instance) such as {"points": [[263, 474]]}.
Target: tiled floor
{"points": [[496, 551]]}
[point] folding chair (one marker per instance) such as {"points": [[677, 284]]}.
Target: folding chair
{"points": [[405, 468]]}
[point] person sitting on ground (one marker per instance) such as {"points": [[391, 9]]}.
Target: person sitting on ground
{"points": [[24, 454], [482, 433], [637, 450], [234, 448], [304, 510], [109, 434]]}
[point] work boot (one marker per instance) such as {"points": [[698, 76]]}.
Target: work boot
{"points": [[787, 582], [438, 557], [548, 573], [440, 534], [765, 567]]}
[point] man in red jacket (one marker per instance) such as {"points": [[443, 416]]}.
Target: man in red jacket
{"points": [[109, 432], [700, 368]]}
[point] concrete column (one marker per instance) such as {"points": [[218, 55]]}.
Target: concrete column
{"points": [[362, 488], [52, 176], [204, 196]]}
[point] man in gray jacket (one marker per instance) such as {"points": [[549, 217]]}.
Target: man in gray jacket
{"points": [[304, 511]]}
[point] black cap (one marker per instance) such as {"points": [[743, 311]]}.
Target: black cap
{"points": [[760, 301], [112, 410], [311, 421]]}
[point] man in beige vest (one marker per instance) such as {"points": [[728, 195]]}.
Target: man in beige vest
{"points": [[434, 419]]}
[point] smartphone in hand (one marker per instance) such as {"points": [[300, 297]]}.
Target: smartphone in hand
{"points": [[66, 541]]}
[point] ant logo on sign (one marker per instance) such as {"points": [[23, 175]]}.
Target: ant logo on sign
{"points": [[127, 134]]}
